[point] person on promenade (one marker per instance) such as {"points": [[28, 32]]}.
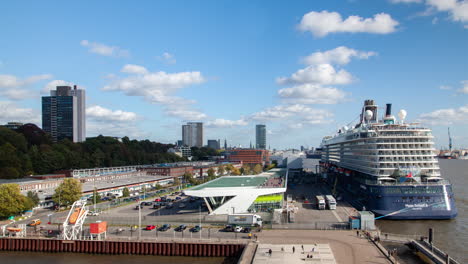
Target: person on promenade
{"points": [[294, 249], [270, 251]]}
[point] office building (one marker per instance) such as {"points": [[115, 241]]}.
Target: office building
{"points": [[192, 134], [13, 125], [214, 144], [249, 156], [260, 136], [64, 114]]}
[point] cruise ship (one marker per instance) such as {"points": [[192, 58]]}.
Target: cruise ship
{"points": [[388, 167]]}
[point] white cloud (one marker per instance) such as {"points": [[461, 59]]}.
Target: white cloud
{"points": [[100, 113], [135, 69], [298, 112], [312, 94], [405, 1], [445, 87], [435, 20], [445, 116], [168, 58], [186, 114], [341, 55], [464, 89], [104, 50], [323, 23], [219, 122], [323, 74], [10, 112], [14, 88], [52, 85], [458, 10], [115, 129]]}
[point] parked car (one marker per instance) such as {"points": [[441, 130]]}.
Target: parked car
{"points": [[156, 206], [35, 222], [169, 200], [192, 199], [150, 227], [182, 205], [157, 199], [164, 227], [148, 203], [195, 229], [169, 205], [138, 207], [164, 198], [238, 229], [180, 228], [246, 230], [228, 228], [93, 213], [178, 198]]}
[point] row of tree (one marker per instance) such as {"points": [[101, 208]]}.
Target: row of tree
{"points": [[29, 150]]}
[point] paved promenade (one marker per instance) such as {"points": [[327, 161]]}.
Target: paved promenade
{"points": [[347, 248]]}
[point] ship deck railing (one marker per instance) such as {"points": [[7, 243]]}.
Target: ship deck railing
{"points": [[440, 182]]}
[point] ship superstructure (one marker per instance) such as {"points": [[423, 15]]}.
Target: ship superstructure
{"points": [[388, 166]]}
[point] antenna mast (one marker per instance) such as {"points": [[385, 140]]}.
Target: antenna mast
{"points": [[450, 140]]}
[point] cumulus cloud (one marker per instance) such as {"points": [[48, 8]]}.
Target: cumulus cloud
{"points": [[10, 112], [100, 113], [104, 50], [135, 69], [322, 74], [464, 89], [168, 58], [52, 85], [219, 122], [312, 94], [445, 87], [445, 116], [15, 88], [297, 112], [341, 55], [323, 23], [183, 112], [457, 9]]}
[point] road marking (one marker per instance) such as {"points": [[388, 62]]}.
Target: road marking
{"points": [[337, 216]]}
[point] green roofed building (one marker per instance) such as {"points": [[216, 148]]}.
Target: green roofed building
{"points": [[243, 194]]}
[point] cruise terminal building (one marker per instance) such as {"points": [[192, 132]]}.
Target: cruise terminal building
{"points": [[243, 194]]}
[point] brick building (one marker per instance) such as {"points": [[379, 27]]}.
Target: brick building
{"points": [[249, 156]]}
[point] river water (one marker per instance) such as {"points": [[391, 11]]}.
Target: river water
{"points": [[449, 235]]}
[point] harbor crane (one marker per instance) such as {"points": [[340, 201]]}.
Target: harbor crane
{"points": [[73, 224]]}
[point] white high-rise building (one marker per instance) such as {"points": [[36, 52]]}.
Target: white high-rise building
{"points": [[192, 134]]}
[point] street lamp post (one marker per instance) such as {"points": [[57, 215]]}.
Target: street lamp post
{"points": [[139, 221]]}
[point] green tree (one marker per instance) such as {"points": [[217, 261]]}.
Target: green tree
{"points": [[96, 198], [257, 169], [158, 186], [246, 170], [235, 171], [229, 168], [211, 172], [221, 170], [33, 197], [12, 202], [67, 192], [125, 192], [176, 181]]}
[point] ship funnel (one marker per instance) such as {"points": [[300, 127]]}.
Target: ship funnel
{"points": [[388, 110]]}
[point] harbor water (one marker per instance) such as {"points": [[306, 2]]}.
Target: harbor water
{"points": [[449, 235]]}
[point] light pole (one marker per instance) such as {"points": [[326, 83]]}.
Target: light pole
{"points": [[139, 221]]}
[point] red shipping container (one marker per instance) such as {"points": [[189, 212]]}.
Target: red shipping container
{"points": [[98, 228]]}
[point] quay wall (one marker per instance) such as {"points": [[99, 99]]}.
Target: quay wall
{"points": [[122, 247]]}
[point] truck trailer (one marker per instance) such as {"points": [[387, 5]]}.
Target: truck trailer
{"points": [[320, 202], [245, 220], [331, 202]]}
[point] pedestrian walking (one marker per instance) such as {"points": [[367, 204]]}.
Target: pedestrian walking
{"points": [[302, 248], [270, 251], [282, 249], [294, 249], [357, 233], [386, 236]]}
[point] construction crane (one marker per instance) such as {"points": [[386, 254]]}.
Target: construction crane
{"points": [[450, 140]]}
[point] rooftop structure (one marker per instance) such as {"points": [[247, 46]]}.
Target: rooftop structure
{"points": [[249, 156], [242, 194]]}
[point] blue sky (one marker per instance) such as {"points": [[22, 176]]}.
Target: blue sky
{"points": [[303, 68]]}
